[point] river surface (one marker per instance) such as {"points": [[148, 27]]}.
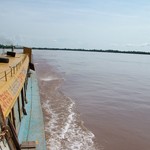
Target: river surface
{"points": [[95, 100]]}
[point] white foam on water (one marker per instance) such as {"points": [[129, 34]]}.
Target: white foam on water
{"points": [[65, 128], [49, 78], [69, 121], [51, 126]]}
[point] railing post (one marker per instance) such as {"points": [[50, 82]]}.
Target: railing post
{"points": [[5, 76], [11, 72]]}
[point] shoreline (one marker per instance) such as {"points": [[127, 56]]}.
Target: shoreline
{"points": [[83, 50], [95, 50]]}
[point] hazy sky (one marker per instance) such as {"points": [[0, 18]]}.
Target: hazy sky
{"points": [[100, 24]]}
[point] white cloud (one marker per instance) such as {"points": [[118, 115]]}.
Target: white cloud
{"points": [[138, 45]]}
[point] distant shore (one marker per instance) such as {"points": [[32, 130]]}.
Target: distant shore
{"points": [[83, 50], [95, 50]]}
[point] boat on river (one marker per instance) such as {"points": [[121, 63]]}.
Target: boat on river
{"points": [[21, 117]]}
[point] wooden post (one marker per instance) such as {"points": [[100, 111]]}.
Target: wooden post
{"points": [[28, 51], [19, 109], [23, 104], [5, 76], [12, 142], [13, 117], [11, 72]]}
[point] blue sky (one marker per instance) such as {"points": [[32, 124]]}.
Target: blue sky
{"points": [[99, 24]]}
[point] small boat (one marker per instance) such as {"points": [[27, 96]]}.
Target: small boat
{"points": [[21, 117]]}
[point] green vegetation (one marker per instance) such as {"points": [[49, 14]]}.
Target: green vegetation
{"points": [[6, 46]]}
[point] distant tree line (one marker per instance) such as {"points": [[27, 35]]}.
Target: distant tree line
{"points": [[95, 50], [6, 46], [83, 50], [10, 47]]}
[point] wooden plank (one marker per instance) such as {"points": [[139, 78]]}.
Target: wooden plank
{"points": [[28, 145], [29, 149]]}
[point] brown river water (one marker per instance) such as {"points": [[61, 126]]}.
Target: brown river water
{"points": [[94, 101]]}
